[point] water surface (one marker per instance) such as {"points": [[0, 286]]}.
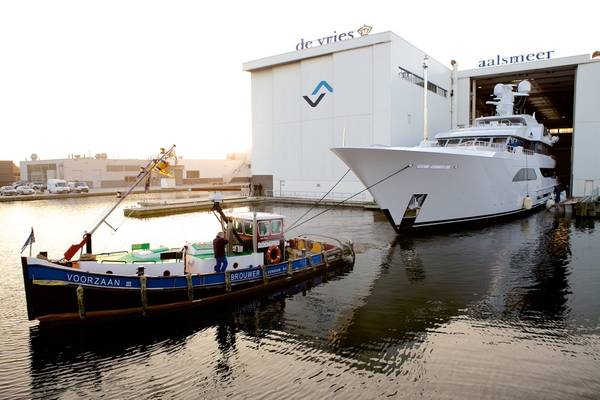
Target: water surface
{"points": [[509, 311]]}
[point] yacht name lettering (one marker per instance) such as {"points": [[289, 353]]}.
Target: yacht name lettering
{"points": [[503, 60], [243, 275], [93, 280]]}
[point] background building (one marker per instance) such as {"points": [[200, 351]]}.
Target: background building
{"points": [[369, 90], [9, 173], [102, 172]]}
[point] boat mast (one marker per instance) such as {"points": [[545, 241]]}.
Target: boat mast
{"points": [[87, 236], [425, 128]]}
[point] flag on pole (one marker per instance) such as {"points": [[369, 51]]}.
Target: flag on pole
{"points": [[30, 240]]}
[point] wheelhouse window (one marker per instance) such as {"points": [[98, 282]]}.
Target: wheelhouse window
{"points": [[238, 226], [263, 228], [453, 142], [276, 226], [525, 174], [248, 228]]}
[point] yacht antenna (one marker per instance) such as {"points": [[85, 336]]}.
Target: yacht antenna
{"points": [[504, 99], [425, 128]]}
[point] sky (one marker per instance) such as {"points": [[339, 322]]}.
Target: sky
{"points": [[128, 77]]}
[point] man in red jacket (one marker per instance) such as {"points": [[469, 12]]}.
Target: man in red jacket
{"points": [[219, 244]]}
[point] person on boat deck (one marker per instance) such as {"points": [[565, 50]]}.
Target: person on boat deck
{"points": [[219, 244]]}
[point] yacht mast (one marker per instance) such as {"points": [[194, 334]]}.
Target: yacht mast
{"points": [[425, 128]]}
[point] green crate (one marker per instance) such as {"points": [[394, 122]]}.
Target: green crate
{"points": [[140, 246]]}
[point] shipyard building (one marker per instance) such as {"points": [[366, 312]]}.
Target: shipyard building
{"points": [[369, 90], [101, 172]]}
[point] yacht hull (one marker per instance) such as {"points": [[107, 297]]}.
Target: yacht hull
{"points": [[429, 186]]}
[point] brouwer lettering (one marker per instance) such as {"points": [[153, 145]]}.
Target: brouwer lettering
{"points": [[245, 275]]}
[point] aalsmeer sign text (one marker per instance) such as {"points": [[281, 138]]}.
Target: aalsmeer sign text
{"points": [[503, 60]]}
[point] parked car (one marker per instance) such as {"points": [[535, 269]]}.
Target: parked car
{"points": [[79, 187], [8, 191], [15, 185], [39, 186], [25, 190], [58, 186]]}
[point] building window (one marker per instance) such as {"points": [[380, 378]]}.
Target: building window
{"points": [[39, 172], [192, 174], [419, 81], [122, 168], [130, 179]]}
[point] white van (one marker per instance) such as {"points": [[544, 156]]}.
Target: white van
{"points": [[58, 186]]}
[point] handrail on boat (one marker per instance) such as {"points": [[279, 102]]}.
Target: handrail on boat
{"points": [[111, 253]]}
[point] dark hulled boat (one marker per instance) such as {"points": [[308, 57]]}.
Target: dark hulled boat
{"points": [[147, 281]]}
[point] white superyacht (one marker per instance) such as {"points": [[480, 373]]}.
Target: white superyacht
{"points": [[497, 167]]}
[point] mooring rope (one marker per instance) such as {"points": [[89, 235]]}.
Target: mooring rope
{"points": [[319, 201], [354, 195]]}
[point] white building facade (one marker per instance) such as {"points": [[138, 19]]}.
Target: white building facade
{"points": [[368, 95], [369, 90], [100, 172]]}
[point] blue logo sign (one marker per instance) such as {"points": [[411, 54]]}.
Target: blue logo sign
{"points": [[322, 84]]}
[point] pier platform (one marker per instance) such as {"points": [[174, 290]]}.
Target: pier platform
{"points": [[158, 209]]}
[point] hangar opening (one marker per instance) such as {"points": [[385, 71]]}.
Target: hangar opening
{"points": [[551, 100]]}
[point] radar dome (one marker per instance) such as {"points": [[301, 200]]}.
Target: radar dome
{"points": [[34, 156], [524, 87], [498, 90]]}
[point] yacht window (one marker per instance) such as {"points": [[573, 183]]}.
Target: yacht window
{"points": [[525, 174], [442, 142], [540, 148], [248, 228], [499, 140], [548, 172], [453, 142], [515, 142], [276, 226], [484, 139]]}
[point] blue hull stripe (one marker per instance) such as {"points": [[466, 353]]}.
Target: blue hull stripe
{"points": [[77, 277]]}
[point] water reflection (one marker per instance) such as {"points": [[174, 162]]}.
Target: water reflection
{"points": [[86, 353], [541, 285], [472, 313]]}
